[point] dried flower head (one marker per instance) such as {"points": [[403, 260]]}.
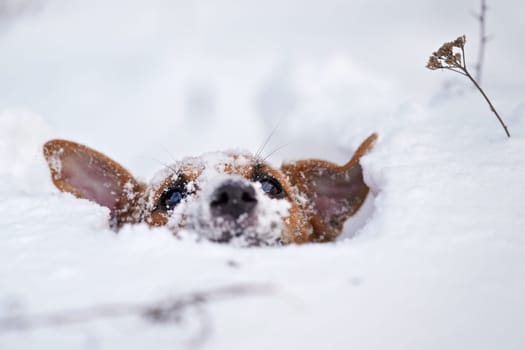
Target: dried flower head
{"points": [[445, 57]]}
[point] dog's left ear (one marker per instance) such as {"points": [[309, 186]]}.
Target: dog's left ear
{"points": [[332, 193], [89, 174]]}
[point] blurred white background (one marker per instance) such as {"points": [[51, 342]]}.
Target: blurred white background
{"points": [[134, 78]]}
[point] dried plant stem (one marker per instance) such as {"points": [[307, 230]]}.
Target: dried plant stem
{"points": [[488, 101], [466, 73], [446, 58], [156, 311], [482, 40]]}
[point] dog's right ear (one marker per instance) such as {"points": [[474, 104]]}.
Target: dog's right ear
{"points": [[89, 174]]}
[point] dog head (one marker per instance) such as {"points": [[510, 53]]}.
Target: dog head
{"points": [[224, 197]]}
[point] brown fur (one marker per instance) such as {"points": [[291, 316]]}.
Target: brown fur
{"points": [[309, 218], [299, 173], [126, 200]]}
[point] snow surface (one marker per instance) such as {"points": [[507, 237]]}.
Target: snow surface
{"points": [[438, 260]]}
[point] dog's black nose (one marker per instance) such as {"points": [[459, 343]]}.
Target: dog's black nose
{"points": [[233, 199]]}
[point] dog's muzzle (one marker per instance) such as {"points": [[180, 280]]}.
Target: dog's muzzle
{"points": [[232, 208]]}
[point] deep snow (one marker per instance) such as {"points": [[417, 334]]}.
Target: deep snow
{"points": [[439, 255]]}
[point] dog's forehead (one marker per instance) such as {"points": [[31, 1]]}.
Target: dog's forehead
{"points": [[226, 162], [233, 162]]}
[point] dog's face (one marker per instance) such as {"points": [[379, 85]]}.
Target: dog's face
{"points": [[225, 197]]}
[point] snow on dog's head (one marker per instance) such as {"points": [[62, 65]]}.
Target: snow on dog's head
{"points": [[224, 197], [227, 197]]}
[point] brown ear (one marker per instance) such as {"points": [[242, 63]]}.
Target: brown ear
{"points": [[331, 193], [89, 174]]}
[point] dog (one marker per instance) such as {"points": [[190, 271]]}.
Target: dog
{"points": [[225, 197]]}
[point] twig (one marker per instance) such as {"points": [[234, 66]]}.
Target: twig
{"points": [[481, 17], [169, 310], [446, 58]]}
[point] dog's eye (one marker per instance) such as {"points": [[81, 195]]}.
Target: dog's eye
{"points": [[171, 197], [271, 187]]}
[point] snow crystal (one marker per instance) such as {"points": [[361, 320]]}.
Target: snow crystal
{"points": [[55, 161]]}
